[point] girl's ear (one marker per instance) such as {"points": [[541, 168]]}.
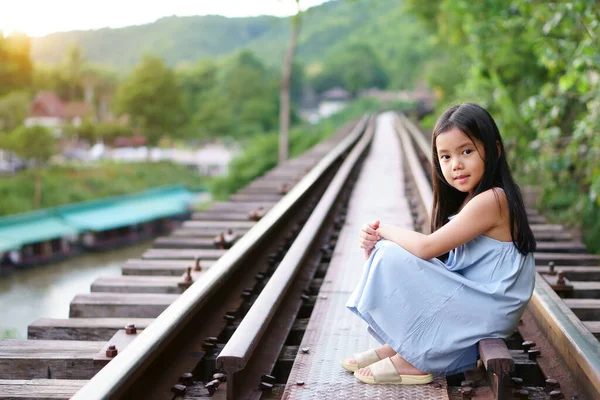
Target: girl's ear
{"points": [[499, 148]]}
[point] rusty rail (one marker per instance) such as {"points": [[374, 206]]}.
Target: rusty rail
{"points": [[118, 376]]}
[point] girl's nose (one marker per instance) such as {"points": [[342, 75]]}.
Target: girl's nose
{"points": [[457, 164]]}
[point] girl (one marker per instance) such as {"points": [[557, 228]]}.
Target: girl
{"points": [[428, 299]]}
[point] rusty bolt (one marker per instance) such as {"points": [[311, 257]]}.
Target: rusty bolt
{"points": [[188, 275], [220, 377], [111, 351], [527, 345], [533, 354], [551, 384], [283, 188], [466, 384], [211, 387], [259, 277], [268, 378], [208, 348], [466, 393], [522, 394], [179, 390], [130, 329], [211, 339], [246, 294], [556, 394], [517, 383], [551, 270], [561, 279], [300, 383], [305, 350], [197, 263]]}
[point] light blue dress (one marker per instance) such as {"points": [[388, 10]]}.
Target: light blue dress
{"points": [[434, 313]]}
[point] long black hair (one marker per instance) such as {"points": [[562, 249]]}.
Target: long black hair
{"points": [[475, 122]]}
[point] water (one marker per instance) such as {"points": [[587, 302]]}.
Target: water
{"points": [[46, 291]]}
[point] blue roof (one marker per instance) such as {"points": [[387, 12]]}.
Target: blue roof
{"points": [[97, 215], [38, 226]]}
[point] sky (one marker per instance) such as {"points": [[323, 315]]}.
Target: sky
{"points": [[41, 17]]}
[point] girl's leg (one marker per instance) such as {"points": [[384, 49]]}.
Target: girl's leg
{"points": [[384, 351], [402, 366]]}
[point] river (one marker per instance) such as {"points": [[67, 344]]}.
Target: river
{"points": [[47, 290]]}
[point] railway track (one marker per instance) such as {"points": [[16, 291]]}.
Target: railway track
{"points": [[238, 330], [177, 345]]}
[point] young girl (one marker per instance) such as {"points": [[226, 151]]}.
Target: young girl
{"points": [[429, 299]]}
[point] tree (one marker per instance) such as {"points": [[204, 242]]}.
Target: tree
{"points": [[74, 65], [284, 97], [151, 96], [34, 144], [14, 108], [15, 63]]}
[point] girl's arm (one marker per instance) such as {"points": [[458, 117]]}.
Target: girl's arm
{"points": [[479, 215]]}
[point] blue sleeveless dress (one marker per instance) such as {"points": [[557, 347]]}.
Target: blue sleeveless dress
{"points": [[434, 313]]}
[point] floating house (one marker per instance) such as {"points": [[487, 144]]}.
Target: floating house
{"points": [[36, 238], [51, 234]]}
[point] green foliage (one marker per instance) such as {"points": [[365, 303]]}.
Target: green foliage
{"points": [[14, 108], [151, 97], [354, 67], [35, 143], [69, 184], [10, 333], [534, 66], [92, 132], [15, 63]]}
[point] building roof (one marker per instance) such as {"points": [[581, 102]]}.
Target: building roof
{"points": [[101, 215], [39, 226], [336, 93], [97, 215], [47, 104]]}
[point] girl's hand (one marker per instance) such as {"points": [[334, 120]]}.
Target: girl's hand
{"points": [[368, 236]]}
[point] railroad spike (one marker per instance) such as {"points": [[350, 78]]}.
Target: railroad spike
{"points": [[186, 379], [178, 389], [130, 329], [533, 354], [111, 351], [526, 345]]}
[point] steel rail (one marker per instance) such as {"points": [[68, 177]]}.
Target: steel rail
{"points": [[239, 349], [116, 377], [418, 137], [569, 336]]}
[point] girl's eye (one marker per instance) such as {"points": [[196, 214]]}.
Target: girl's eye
{"points": [[445, 157], [468, 151]]}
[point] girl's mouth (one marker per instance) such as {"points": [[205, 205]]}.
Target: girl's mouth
{"points": [[461, 179]]}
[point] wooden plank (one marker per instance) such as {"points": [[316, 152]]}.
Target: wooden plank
{"points": [[240, 205], [255, 197], [499, 364], [138, 284], [575, 273], [183, 254], [120, 305], [221, 216], [553, 236], [39, 389], [572, 246], [178, 242], [566, 259], [161, 267], [536, 219], [81, 328], [205, 233], [546, 228], [48, 359], [584, 309], [223, 225]]}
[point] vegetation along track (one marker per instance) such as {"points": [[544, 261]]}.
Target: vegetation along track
{"points": [[556, 344]]}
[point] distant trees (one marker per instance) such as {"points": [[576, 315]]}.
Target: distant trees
{"points": [[34, 144], [151, 97]]}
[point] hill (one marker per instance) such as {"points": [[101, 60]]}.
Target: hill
{"points": [[326, 29]]}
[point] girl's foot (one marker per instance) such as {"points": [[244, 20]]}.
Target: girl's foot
{"points": [[384, 351], [402, 366]]}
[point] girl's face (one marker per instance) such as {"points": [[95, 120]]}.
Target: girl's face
{"points": [[461, 160]]}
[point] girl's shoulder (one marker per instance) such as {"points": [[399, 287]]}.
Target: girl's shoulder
{"points": [[493, 199]]}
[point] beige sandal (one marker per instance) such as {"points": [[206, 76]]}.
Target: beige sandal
{"points": [[363, 359], [384, 373]]}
